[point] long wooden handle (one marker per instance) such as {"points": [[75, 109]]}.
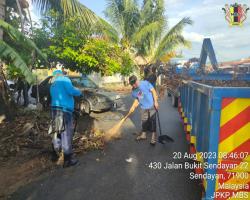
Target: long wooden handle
{"points": [[124, 118]]}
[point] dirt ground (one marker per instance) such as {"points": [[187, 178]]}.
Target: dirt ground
{"points": [[25, 147], [118, 87]]}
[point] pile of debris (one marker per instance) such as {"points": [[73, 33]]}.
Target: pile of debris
{"points": [[94, 140], [26, 151], [229, 83], [173, 81], [27, 136]]}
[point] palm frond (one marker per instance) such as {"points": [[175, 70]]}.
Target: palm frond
{"points": [[173, 39], [105, 29], [69, 8], [75, 8], [124, 16], [45, 5], [152, 25], [178, 28], [143, 33], [114, 12], [8, 54], [18, 37]]}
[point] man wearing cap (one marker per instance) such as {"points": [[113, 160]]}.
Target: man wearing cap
{"points": [[145, 95], [62, 94]]}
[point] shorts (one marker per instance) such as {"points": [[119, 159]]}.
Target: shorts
{"points": [[148, 120]]}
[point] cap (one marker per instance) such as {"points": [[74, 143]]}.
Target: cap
{"points": [[132, 79], [57, 72]]}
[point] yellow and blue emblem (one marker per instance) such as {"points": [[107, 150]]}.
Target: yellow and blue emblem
{"points": [[235, 14]]}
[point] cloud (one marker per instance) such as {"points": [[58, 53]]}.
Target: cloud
{"points": [[197, 37], [193, 36], [175, 3], [199, 11], [230, 43]]}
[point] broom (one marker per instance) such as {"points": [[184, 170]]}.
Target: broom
{"points": [[114, 131]]}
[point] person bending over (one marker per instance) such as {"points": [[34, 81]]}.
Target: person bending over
{"points": [[146, 97], [62, 105]]}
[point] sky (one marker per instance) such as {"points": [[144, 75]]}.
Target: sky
{"points": [[230, 43]]}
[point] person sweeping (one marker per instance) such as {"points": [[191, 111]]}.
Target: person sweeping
{"points": [[146, 97]]}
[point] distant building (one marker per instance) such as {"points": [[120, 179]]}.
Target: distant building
{"points": [[240, 66]]}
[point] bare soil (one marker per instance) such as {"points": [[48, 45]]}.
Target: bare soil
{"points": [[25, 147]]}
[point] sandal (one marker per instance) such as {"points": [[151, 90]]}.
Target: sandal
{"points": [[142, 136], [153, 139]]}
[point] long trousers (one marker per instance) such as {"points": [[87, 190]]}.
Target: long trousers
{"points": [[63, 141]]}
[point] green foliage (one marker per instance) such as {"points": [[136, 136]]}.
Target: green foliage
{"points": [[86, 19], [12, 58], [124, 15], [68, 8], [21, 39], [97, 55], [60, 40], [102, 56], [173, 39], [127, 64], [105, 30], [16, 51], [143, 29], [78, 50]]}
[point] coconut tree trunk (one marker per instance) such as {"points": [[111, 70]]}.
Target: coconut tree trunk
{"points": [[33, 59], [25, 88], [5, 108], [2, 15], [20, 14]]}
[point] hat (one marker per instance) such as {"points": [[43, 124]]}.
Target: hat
{"points": [[57, 72], [132, 79]]}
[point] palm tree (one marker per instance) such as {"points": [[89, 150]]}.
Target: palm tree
{"points": [[4, 103], [124, 15], [10, 54], [143, 30], [72, 8], [68, 8]]}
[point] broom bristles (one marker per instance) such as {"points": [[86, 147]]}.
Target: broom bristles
{"points": [[114, 131]]}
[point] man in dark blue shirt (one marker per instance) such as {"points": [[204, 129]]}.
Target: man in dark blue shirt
{"points": [[145, 95]]}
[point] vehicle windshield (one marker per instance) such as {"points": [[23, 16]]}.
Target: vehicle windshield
{"points": [[83, 82]]}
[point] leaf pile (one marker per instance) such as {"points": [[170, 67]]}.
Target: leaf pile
{"points": [[25, 148], [24, 137], [94, 141], [27, 136]]}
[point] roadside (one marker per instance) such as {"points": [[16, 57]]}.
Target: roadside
{"points": [[121, 171], [117, 87], [25, 147]]}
